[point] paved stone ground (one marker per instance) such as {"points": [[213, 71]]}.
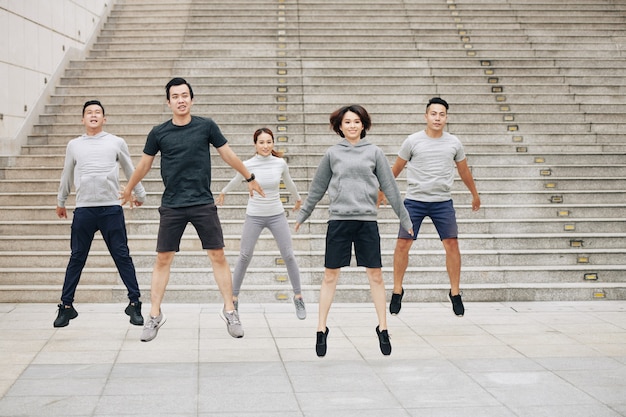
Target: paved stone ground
{"points": [[534, 359]]}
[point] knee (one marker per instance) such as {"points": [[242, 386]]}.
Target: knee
{"points": [[79, 256], [289, 258], [403, 245], [330, 278], [451, 245], [217, 256], [245, 257], [376, 278], [164, 260]]}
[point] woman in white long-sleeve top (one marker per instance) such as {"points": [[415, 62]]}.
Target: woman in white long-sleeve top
{"points": [[267, 212]]}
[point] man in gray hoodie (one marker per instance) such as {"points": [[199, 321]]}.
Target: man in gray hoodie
{"points": [[353, 171], [91, 165]]}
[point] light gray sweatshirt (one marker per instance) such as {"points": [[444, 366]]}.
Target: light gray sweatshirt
{"points": [[91, 165], [352, 175]]}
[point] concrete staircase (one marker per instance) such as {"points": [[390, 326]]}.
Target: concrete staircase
{"points": [[536, 94]]}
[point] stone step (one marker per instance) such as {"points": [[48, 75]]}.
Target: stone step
{"points": [[497, 196], [121, 96], [382, 119], [525, 142], [208, 293], [551, 172], [318, 224], [321, 127], [296, 151], [154, 184], [438, 63], [573, 212], [426, 241], [311, 258]]}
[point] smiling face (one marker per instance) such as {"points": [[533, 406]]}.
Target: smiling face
{"points": [[264, 144], [351, 126], [93, 119], [180, 102]]}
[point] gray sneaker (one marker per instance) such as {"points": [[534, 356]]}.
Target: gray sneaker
{"points": [[232, 323], [300, 309], [151, 328]]}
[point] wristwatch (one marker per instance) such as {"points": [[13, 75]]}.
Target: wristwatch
{"points": [[251, 178]]}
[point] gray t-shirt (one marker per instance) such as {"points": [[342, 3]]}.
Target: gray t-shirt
{"points": [[430, 165]]}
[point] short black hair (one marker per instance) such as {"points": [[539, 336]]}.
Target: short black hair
{"points": [[91, 103], [177, 81], [437, 100]]}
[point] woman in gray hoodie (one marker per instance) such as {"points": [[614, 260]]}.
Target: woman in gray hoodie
{"points": [[353, 171]]}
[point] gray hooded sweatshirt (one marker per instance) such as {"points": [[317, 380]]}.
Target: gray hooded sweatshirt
{"points": [[353, 175]]}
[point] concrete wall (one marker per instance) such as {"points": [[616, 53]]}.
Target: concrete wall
{"points": [[37, 39]]}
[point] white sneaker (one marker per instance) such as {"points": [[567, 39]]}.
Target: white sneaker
{"points": [[300, 309], [233, 325], [151, 328]]}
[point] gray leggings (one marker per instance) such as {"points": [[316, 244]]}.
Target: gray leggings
{"points": [[252, 228]]}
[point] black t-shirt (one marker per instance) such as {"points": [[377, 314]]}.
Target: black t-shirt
{"points": [[185, 160]]}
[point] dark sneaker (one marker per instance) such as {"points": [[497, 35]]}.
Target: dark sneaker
{"points": [[320, 345], [457, 304], [134, 311], [300, 309], [383, 340], [152, 327], [233, 325], [66, 313], [396, 303]]}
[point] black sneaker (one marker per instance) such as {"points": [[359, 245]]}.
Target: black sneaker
{"points": [[396, 303], [66, 313], [134, 311], [320, 345], [457, 304], [383, 339]]}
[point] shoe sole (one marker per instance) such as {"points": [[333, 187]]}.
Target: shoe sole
{"points": [[157, 330], [139, 323]]}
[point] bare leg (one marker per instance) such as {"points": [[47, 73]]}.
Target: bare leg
{"points": [[453, 264], [400, 263], [160, 278], [327, 293], [223, 277], [377, 288]]}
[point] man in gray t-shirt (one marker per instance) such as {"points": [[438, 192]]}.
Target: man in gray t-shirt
{"points": [[430, 157]]}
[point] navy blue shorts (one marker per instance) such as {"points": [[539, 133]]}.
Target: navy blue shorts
{"points": [[340, 236], [442, 214], [173, 222]]}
